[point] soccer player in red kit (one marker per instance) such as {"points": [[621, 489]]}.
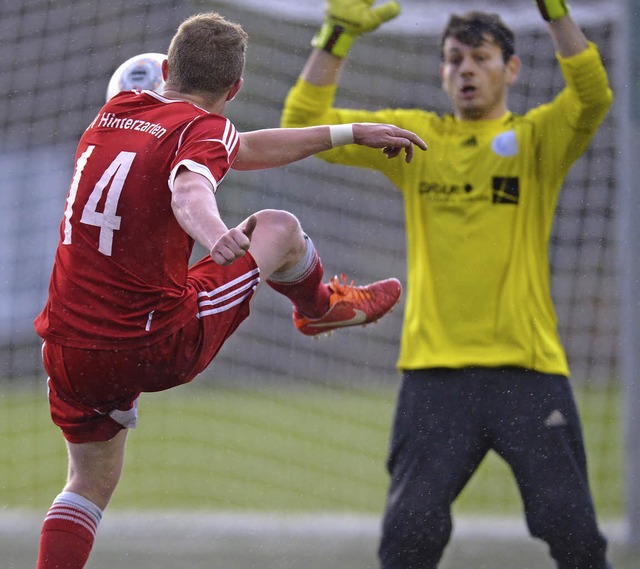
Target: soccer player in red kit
{"points": [[125, 313]]}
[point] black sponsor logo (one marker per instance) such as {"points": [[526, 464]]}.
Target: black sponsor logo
{"points": [[506, 190], [434, 188]]}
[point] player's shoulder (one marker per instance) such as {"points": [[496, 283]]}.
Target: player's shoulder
{"points": [[214, 125]]}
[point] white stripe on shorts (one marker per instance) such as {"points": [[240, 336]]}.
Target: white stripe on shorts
{"points": [[228, 295]]}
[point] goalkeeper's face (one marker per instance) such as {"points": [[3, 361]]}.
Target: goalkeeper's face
{"points": [[476, 78]]}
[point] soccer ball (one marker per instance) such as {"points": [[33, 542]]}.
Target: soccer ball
{"points": [[138, 72]]}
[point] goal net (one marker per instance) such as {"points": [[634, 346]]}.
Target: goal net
{"points": [[57, 58]]}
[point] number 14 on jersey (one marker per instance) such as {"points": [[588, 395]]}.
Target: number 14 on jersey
{"points": [[112, 178]]}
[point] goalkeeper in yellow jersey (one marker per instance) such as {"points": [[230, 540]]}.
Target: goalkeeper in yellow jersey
{"points": [[482, 364]]}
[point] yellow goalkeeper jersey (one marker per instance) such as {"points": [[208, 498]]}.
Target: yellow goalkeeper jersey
{"points": [[479, 207]]}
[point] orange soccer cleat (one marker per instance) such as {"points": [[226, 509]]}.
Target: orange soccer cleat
{"points": [[351, 305]]}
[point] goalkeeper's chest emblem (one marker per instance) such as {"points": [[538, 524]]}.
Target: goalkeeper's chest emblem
{"points": [[505, 190], [505, 144]]}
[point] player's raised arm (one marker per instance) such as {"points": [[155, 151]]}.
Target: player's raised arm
{"points": [[567, 36], [344, 21], [270, 148]]}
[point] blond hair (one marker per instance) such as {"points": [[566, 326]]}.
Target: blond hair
{"points": [[207, 55]]}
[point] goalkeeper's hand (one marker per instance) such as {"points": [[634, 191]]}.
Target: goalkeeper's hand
{"points": [[347, 19], [552, 9]]}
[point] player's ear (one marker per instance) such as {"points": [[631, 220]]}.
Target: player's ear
{"points": [[165, 69], [513, 69], [234, 89]]}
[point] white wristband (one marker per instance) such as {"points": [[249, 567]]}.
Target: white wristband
{"points": [[341, 134]]}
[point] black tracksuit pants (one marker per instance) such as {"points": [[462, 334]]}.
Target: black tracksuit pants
{"points": [[446, 421]]}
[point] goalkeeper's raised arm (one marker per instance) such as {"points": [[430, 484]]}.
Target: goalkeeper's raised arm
{"points": [[567, 36], [344, 21]]}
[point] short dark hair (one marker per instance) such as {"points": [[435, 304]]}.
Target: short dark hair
{"points": [[207, 55], [473, 28]]}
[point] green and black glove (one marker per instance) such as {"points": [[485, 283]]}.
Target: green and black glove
{"points": [[552, 9], [347, 19]]}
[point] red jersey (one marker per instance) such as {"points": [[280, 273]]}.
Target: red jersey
{"points": [[120, 271]]}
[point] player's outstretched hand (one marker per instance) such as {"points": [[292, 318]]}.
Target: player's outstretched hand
{"points": [[234, 243], [552, 9], [359, 16], [390, 138]]}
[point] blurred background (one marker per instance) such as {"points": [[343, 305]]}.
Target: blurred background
{"points": [[281, 424]]}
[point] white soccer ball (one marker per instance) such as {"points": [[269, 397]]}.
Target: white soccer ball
{"points": [[138, 72]]}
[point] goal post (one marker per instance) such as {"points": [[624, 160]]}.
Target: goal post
{"points": [[629, 230]]}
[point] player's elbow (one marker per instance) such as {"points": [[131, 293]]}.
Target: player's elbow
{"points": [[597, 109], [179, 203]]}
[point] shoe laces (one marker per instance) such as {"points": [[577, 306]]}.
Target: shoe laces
{"points": [[348, 289]]}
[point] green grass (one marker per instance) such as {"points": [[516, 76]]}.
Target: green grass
{"points": [[272, 449]]}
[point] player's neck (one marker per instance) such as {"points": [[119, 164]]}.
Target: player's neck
{"points": [[216, 107]]}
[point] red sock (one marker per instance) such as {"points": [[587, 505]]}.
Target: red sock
{"points": [[68, 533], [309, 295]]}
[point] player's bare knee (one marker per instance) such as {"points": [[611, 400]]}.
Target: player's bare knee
{"points": [[283, 227]]}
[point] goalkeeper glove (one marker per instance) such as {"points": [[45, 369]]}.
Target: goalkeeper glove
{"points": [[347, 19], [552, 9]]}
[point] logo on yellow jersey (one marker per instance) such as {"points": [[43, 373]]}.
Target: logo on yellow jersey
{"points": [[505, 144], [506, 190]]}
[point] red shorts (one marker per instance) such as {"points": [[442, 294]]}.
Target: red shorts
{"points": [[93, 393]]}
